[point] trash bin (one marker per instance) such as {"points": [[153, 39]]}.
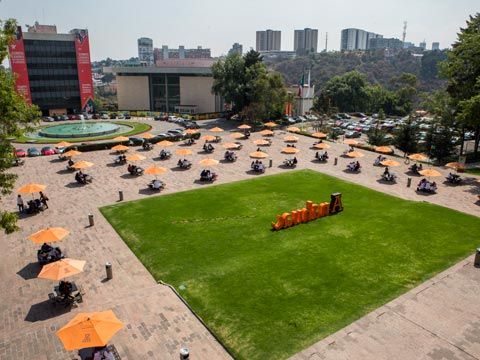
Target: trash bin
{"points": [[108, 269], [120, 195], [184, 353], [476, 263], [270, 164], [90, 220], [409, 182], [335, 162]]}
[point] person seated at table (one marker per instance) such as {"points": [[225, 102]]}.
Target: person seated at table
{"points": [[103, 354], [325, 156], [258, 149], [210, 148], [295, 161], [353, 166], [386, 172], [70, 164], [190, 141], [247, 134], [422, 185], [453, 178], [420, 167], [65, 288], [414, 168], [156, 184], [46, 248], [378, 160]]}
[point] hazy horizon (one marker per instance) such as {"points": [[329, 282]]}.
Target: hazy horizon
{"points": [[114, 26]]}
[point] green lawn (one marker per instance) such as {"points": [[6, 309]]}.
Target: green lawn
{"points": [[270, 294]]}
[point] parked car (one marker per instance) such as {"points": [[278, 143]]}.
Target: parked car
{"points": [[176, 132], [191, 125], [113, 116], [33, 152], [20, 153], [64, 117], [47, 150], [344, 116], [157, 118], [48, 119], [104, 117], [127, 116], [338, 130], [352, 134], [95, 116]]}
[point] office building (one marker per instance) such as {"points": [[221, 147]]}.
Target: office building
{"points": [[305, 41], [423, 45], [435, 46], [385, 43], [52, 70], [181, 53], [145, 51], [172, 85], [269, 40], [236, 49], [408, 45], [356, 39]]}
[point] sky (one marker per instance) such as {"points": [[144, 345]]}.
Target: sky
{"points": [[115, 25]]}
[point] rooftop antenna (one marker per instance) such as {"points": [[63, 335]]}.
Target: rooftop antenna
{"points": [[404, 31], [326, 42]]}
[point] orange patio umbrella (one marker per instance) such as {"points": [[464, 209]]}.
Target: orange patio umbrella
{"points": [[270, 124], [71, 153], [455, 165], [430, 173], [31, 188], [231, 146], [208, 138], [208, 162], [258, 155], [319, 135], [355, 154], [148, 136], [216, 129], [261, 142], [237, 135], [49, 235], [82, 164], [350, 142], [88, 330], [383, 149], [164, 143], [321, 146], [155, 170], [184, 152], [290, 138], [60, 269], [120, 148], [244, 127], [63, 144], [191, 131], [417, 157], [293, 129], [136, 157], [121, 138], [290, 150], [390, 163], [266, 132]]}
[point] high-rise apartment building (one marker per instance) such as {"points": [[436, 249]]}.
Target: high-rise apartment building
{"points": [[269, 40], [356, 39], [423, 45], [435, 46], [385, 43], [181, 53], [236, 49], [305, 41], [53, 71], [145, 51]]}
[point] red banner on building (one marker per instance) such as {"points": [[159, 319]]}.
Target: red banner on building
{"points": [[18, 64], [84, 68]]}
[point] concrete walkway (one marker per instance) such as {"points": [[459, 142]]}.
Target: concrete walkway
{"points": [[157, 323]]}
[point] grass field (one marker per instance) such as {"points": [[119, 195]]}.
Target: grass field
{"points": [[270, 294]]}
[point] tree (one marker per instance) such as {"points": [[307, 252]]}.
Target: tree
{"points": [[16, 117], [406, 138], [377, 137], [245, 82], [347, 92], [462, 68]]}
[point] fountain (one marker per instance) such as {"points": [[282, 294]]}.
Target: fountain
{"points": [[82, 130]]}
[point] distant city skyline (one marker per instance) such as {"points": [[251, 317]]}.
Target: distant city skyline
{"points": [[114, 26]]}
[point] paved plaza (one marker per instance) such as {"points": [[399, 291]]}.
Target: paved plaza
{"points": [[440, 319]]}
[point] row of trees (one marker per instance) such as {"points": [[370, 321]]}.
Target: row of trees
{"points": [[352, 93], [16, 116], [253, 91]]}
